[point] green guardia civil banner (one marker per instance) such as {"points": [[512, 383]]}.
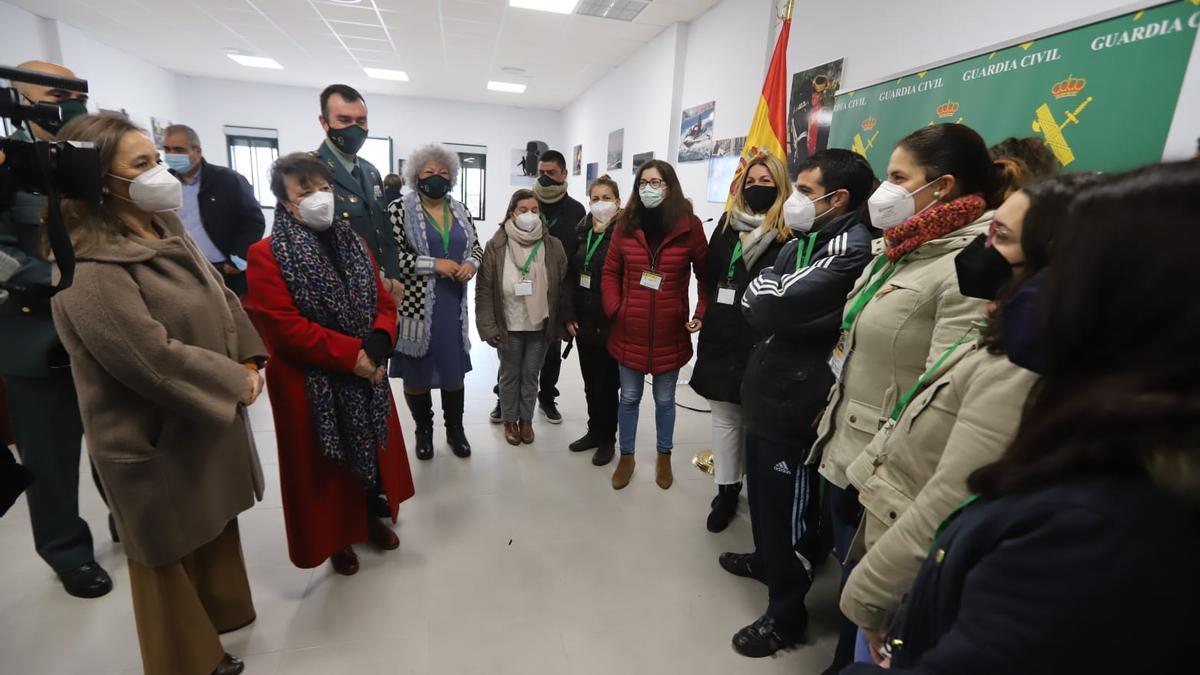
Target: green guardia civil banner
{"points": [[1102, 96]]}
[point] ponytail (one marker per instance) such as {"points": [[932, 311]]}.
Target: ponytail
{"points": [[1008, 176]]}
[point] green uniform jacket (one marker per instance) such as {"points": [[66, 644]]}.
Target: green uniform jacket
{"points": [[362, 204], [29, 345]]}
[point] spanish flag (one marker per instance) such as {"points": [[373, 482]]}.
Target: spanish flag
{"points": [[768, 130]]}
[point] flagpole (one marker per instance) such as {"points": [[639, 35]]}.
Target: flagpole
{"points": [[787, 11]]}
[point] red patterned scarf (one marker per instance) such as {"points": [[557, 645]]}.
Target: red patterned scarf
{"points": [[931, 224]]}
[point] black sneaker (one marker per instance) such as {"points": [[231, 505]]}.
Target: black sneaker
{"points": [[550, 409], [586, 442], [741, 565], [604, 453], [762, 638], [495, 416], [89, 580]]}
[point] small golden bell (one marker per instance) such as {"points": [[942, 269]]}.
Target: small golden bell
{"points": [[705, 462]]}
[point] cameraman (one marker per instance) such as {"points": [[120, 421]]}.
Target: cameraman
{"points": [[37, 375]]}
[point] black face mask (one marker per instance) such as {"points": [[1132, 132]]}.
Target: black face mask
{"points": [[547, 181], [434, 187], [760, 197], [982, 271], [348, 139]]}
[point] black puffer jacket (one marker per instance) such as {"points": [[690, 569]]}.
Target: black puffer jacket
{"points": [[1095, 574], [787, 378], [586, 307], [726, 340]]}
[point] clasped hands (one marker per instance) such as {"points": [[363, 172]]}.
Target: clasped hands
{"points": [[461, 272], [366, 369]]}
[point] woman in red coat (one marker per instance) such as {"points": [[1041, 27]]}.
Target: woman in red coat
{"points": [[644, 289], [317, 300]]}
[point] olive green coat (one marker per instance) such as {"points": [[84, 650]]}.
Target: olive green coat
{"points": [[902, 331], [157, 346], [914, 474]]}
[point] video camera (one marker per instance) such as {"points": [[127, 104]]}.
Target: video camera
{"points": [[56, 169]]}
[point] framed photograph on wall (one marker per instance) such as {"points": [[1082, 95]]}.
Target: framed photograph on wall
{"points": [[616, 149], [520, 171], [720, 177], [593, 171], [640, 159], [810, 111], [696, 132], [577, 162]]}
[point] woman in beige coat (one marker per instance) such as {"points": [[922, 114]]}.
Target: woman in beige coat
{"points": [[961, 415], [164, 360], [906, 309]]}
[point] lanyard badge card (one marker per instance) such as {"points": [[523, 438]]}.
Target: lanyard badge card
{"points": [[652, 280], [726, 293], [525, 285], [841, 351]]}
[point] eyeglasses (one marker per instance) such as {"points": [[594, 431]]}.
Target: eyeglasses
{"points": [[653, 182]]}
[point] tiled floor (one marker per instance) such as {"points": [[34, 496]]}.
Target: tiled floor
{"points": [[518, 560]]}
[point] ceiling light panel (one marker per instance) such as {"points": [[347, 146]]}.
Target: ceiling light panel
{"points": [[617, 10], [556, 6], [507, 87], [255, 61], [386, 74]]}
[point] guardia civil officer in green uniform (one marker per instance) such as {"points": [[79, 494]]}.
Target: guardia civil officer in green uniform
{"points": [[357, 185], [42, 404]]}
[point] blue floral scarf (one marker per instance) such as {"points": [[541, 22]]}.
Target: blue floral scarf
{"points": [[350, 413]]}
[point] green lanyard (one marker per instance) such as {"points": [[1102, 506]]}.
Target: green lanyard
{"points": [[444, 232], [917, 386], [737, 255], [802, 259], [591, 248], [865, 295], [949, 519], [529, 261]]}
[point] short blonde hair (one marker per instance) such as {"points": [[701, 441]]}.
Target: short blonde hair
{"points": [[434, 152], [783, 183]]}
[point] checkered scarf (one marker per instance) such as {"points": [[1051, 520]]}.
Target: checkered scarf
{"points": [[350, 414]]}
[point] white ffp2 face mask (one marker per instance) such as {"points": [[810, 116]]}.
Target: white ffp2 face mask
{"points": [[891, 204], [528, 221], [603, 211], [154, 190], [800, 212], [316, 211]]}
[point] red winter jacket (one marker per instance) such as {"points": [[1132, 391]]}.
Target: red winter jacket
{"points": [[648, 333]]}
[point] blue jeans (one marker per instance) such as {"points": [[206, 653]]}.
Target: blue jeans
{"points": [[632, 383]]}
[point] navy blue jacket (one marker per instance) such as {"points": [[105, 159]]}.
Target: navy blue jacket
{"points": [[1092, 575], [787, 376]]}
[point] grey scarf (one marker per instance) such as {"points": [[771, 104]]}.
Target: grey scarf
{"points": [[755, 233]]}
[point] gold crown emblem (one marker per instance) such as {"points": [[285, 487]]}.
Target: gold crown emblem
{"points": [[869, 123], [1068, 87], [947, 109]]}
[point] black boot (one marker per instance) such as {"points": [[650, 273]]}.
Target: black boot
{"points": [[452, 413], [724, 507], [421, 406], [604, 453], [583, 443], [766, 637]]}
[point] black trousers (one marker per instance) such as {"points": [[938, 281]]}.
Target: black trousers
{"points": [[845, 512], [601, 386], [548, 378], [785, 520], [48, 432], [551, 367]]}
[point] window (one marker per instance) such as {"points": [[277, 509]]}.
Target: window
{"points": [[472, 178], [378, 151], [251, 153]]}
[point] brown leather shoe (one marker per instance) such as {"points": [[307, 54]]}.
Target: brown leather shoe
{"points": [[381, 536], [345, 562], [512, 433], [623, 473], [229, 666], [526, 427], [662, 471]]}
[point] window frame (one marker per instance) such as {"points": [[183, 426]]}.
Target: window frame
{"points": [[241, 139]]}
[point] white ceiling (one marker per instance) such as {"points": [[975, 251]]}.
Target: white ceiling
{"points": [[449, 48]]}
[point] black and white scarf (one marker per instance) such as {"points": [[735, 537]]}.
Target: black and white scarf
{"points": [[350, 414]]}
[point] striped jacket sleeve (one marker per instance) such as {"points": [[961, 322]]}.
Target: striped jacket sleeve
{"points": [[792, 302], [476, 255]]}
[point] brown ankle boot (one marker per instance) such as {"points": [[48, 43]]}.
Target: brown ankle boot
{"points": [[624, 472], [512, 433], [662, 471], [526, 428]]}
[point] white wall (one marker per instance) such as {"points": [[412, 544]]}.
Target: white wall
{"points": [[637, 96], [22, 37], [207, 105]]}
